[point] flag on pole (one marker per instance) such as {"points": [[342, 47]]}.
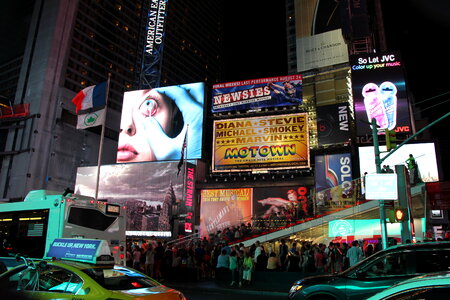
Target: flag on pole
{"points": [[92, 96], [180, 163], [92, 119]]}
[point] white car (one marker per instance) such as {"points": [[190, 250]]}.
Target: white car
{"points": [[431, 286]]}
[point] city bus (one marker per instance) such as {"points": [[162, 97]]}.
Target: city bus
{"points": [[29, 227]]}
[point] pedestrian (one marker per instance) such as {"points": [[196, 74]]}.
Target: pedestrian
{"points": [[158, 261], [412, 166], [273, 263], [320, 258], [283, 254], [248, 267], [261, 261], [257, 250], [234, 268], [336, 258], [149, 260], [137, 258], [293, 264], [354, 254]]}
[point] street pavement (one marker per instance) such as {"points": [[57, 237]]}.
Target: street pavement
{"points": [[275, 284]]}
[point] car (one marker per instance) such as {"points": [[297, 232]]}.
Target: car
{"points": [[376, 273], [65, 279], [429, 286]]}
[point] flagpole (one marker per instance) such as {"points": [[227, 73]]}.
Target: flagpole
{"points": [[102, 135]]}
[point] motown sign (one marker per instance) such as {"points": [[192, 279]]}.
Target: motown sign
{"points": [[260, 143]]}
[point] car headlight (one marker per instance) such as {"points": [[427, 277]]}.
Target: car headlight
{"points": [[295, 288]]}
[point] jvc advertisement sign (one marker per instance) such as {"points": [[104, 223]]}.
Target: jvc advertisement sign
{"points": [[379, 92], [257, 93]]}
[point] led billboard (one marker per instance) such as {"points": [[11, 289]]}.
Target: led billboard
{"points": [[155, 123], [147, 190], [264, 207], [334, 185], [424, 154], [257, 93], [379, 91], [333, 124], [269, 142], [222, 208]]}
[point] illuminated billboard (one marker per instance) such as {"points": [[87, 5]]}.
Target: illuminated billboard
{"points": [[257, 93], [321, 50], [333, 124], [155, 122], [222, 208], [264, 207], [424, 154], [379, 91], [334, 185], [319, 38], [148, 191], [269, 142]]}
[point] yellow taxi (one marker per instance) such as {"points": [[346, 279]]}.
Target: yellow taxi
{"points": [[78, 280]]}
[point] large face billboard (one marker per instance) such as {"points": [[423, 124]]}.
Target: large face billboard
{"points": [[379, 92], [333, 125], [147, 190], [257, 93], [269, 142], [156, 122]]}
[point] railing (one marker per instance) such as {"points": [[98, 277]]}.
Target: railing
{"points": [[323, 203]]}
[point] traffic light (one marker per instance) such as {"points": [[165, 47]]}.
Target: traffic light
{"points": [[391, 139], [400, 214]]}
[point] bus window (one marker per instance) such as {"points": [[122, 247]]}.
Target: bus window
{"points": [[25, 231], [89, 218]]}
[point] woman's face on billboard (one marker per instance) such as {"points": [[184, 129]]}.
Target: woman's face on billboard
{"points": [[133, 138]]}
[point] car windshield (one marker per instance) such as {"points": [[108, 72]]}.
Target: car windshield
{"points": [[120, 278]]}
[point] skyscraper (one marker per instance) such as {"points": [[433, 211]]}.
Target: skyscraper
{"points": [[74, 44]]}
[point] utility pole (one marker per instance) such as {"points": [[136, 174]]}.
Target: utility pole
{"points": [[376, 146], [379, 161]]}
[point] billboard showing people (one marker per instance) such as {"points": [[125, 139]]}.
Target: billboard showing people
{"points": [[224, 208], [156, 123], [227, 209], [268, 142], [257, 93], [379, 91], [424, 155]]}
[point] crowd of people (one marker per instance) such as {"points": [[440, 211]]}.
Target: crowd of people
{"points": [[208, 259]]}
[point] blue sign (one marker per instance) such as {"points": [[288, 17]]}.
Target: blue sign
{"points": [[75, 249]]}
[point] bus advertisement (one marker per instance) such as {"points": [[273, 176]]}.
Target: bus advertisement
{"points": [[30, 226]]}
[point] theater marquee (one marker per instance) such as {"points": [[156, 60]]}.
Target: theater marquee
{"points": [[261, 143]]}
